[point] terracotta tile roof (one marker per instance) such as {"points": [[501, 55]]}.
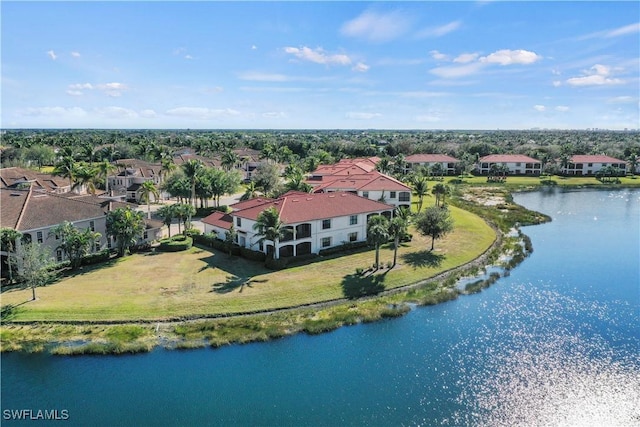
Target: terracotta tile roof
{"points": [[373, 181], [508, 158], [430, 158], [28, 209], [219, 219], [595, 159], [303, 207], [256, 201]]}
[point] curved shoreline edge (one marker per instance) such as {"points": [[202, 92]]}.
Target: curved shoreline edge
{"points": [[259, 325]]}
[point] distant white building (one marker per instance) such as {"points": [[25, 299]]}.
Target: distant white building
{"points": [[592, 164], [517, 164], [315, 221], [449, 164]]}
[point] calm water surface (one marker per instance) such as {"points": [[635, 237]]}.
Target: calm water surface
{"points": [[557, 343]]}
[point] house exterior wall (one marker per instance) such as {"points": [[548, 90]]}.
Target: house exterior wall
{"points": [[49, 241], [449, 168], [591, 168], [341, 231], [515, 168], [395, 198]]}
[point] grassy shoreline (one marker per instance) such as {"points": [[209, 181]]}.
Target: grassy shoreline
{"points": [[401, 291]]}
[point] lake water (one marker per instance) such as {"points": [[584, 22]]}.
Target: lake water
{"points": [[556, 343]]}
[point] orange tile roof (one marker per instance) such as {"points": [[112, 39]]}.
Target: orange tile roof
{"points": [[598, 158], [303, 207], [430, 158], [508, 158]]}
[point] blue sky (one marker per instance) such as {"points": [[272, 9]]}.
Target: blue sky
{"points": [[319, 65]]}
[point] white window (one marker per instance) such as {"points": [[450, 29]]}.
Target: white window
{"points": [[238, 221], [353, 237], [92, 225], [326, 224], [326, 242], [59, 255], [39, 237], [353, 219], [365, 194], [392, 194]]}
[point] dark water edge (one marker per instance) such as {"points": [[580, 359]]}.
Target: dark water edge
{"points": [[555, 343]]}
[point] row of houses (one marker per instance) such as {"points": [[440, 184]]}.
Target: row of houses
{"points": [[518, 164]]}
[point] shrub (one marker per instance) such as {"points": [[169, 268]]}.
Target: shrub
{"points": [[175, 244], [253, 255], [98, 257]]}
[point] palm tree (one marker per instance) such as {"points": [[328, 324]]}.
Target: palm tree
{"points": [[269, 227], [167, 213], [192, 169], [440, 190], [377, 234], [126, 226], [421, 189], [148, 189], [633, 163], [104, 169], [250, 192], [85, 177], [66, 168], [229, 160], [397, 229], [168, 166], [384, 166]]}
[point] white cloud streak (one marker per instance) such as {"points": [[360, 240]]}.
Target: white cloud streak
{"points": [[439, 31], [318, 56], [377, 27], [52, 55]]}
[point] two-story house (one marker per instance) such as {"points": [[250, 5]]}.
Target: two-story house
{"points": [[34, 213], [516, 164], [313, 221], [448, 164], [592, 164]]}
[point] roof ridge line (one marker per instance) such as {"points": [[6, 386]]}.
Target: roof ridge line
{"points": [[24, 207]]}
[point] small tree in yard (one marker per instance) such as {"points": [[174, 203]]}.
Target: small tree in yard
{"points": [[230, 238], [126, 226], [377, 234], [435, 222], [167, 213], [74, 243], [8, 238], [33, 262]]}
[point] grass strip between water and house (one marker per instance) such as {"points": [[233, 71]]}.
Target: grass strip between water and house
{"points": [[203, 297]]}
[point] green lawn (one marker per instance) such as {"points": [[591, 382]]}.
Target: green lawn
{"points": [[575, 181], [205, 282]]}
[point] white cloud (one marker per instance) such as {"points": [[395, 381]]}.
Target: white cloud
{"points": [[455, 71], [466, 57], [75, 54], [540, 108], [148, 114], [428, 118], [52, 55], [438, 56], [557, 83], [53, 112], [439, 31], [318, 56], [80, 86], [362, 116], [509, 57], [257, 76], [254, 47], [598, 75], [562, 108], [377, 27], [623, 31], [274, 115], [621, 100], [361, 67], [202, 113], [75, 92], [117, 113]]}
